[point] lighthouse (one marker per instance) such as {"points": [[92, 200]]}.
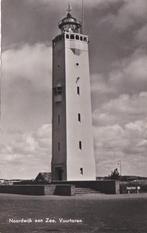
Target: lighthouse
{"points": [[72, 136]]}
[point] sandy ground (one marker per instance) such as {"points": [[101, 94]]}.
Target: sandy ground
{"points": [[99, 213], [93, 196]]}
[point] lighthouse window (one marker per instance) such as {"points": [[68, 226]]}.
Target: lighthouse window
{"points": [[80, 145], [81, 171], [78, 78], [58, 90], [81, 38], [72, 36], [77, 64], [78, 90], [67, 36], [79, 117], [77, 37], [85, 39]]}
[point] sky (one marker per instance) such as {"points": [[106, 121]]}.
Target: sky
{"points": [[117, 31]]}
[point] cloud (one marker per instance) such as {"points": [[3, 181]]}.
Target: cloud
{"points": [[141, 35], [100, 85], [121, 110], [127, 144], [30, 62], [131, 76], [129, 14], [127, 76], [43, 136], [120, 129], [27, 154], [26, 102], [26, 85], [120, 116]]}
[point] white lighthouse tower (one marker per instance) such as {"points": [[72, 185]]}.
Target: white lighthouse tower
{"points": [[72, 138]]}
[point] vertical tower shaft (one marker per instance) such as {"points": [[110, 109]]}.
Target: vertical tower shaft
{"points": [[72, 139]]}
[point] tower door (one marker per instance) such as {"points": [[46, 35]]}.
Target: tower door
{"points": [[59, 173]]}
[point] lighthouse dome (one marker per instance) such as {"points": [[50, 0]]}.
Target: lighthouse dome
{"points": [[69, 24]]}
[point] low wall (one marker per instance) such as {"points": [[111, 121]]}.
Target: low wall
{"points": [[103, 186], [64, 189], [59, 189], [22, 189]]}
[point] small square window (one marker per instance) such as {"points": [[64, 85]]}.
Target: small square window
{"points": [[72, 36], [77, 64]]}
